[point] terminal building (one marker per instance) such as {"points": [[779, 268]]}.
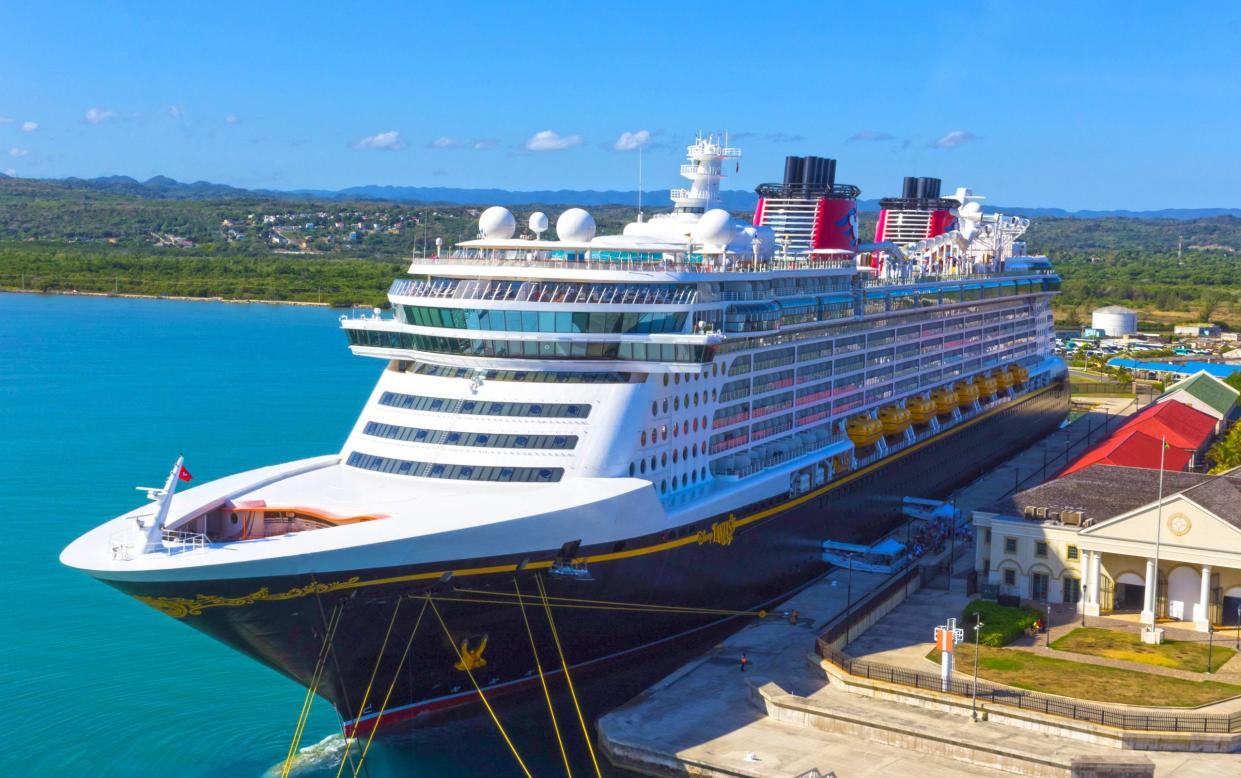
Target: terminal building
{"points": [[1097, 538], [1100, 538]]}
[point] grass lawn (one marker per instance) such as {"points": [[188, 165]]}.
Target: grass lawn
{"points": [[1032, 672], [1178, 654]]}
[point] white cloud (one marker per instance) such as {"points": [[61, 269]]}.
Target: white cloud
{"points": [[97, 115], [16, 152], [478, 144], [29, 126], [628, 141], [869, 135], [549, 140], [232, 118], [954, 139], [11, 173], [382, 141], [6, 120]]}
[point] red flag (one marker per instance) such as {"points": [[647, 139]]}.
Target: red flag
{"points": [[184, 475]]}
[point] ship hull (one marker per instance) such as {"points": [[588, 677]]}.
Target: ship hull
{"points": [[403, 633]]}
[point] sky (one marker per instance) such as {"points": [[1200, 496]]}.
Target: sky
{"points": [[1066, 104]]}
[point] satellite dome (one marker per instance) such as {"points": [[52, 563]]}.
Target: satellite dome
{"points": [[715, 228], [497, 223], [971, 211], [538, 222], [575, 226]]}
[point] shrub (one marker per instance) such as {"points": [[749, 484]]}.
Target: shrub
{"points": [[1001, 624]]}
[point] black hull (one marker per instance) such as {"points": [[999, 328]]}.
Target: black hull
{"points": [[772, 550]]}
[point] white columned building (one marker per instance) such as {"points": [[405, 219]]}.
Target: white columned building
{"points": [[1100, 540]]}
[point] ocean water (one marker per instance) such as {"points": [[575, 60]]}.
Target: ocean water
{"points": [[100, 395]]}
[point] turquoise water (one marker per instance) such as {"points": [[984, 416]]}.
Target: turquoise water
{"points": [[100, 395]]}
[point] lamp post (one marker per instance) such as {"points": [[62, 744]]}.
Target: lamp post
{"points": [[1210, 645], [1239, 629], [974, 692]]}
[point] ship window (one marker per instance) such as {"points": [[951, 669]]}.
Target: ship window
{"points": [[452, 472], [471, 407]]}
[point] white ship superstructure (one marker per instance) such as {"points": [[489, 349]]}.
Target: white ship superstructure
{"points": [[607, 412]]}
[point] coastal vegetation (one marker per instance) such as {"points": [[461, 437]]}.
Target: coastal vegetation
{"points": [[60, 236]]}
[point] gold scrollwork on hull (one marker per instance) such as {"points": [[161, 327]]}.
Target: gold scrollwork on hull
{"points": [[721, 532], [180, 607]]}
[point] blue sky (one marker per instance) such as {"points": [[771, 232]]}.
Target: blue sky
{"points": [[1078, 105]]}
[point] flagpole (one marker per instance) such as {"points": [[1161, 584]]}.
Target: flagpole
{"points": [[1163, 446]]}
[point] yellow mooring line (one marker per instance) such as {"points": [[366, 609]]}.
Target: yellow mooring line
{"points": [[332, 622], [568, 679], [395, 676], [466, 666], [551, 711], [370, 685]]}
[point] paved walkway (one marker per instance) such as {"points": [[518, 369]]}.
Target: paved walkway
{"points": [[702, 718]]}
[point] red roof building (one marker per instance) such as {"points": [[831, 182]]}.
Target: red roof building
{"points": [[1131, 447]]}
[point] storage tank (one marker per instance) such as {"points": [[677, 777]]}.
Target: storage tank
{"points": [[1115, 320]]}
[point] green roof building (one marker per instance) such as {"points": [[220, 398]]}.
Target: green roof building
{"points": [[1205, 393]]}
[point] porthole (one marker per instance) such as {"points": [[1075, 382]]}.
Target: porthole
{"points": [[695, 398], [665, 405], [676, 403], [642, 467], [676, 378], [663, 487], [694, 476], [695, 449], [695, 424], [704, 473], [713, 395], [632, 469], [663, 432], [685, 452], [665, 379], [674, 456], [663, 459], [674, 482], [643, 437], [653, 465], [687, 400], [715, 369], [654, 408], [675, 430], [685, 427]]}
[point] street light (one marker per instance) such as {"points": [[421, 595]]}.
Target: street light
{"points": [[974, 693], [1210, 645], [1239, 629]]}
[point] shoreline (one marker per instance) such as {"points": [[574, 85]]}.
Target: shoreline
{"points": [[178, 298]]}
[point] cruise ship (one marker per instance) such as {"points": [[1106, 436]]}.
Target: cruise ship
{"points": [[644, 434]]}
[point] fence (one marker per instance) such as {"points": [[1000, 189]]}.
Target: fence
{"points": [[1053, 464], [1034, 701]]}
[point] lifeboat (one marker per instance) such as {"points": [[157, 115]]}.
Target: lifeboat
{"points": [[967, 392], [945, 399], [894, 419], [1003, 379], [921, 410], [864, 430], [1020, 374], [985, 383]]}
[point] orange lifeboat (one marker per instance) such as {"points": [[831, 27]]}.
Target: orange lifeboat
{"points": [[1003, 378], [921, 409], [894, 419], [1019, 373], [864, 430], [945, 399], [985, 383], [967, 392]]}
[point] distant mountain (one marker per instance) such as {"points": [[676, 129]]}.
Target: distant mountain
{"points": [[164, 188]]}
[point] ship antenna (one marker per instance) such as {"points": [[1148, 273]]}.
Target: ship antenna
{"points": [[640, 145]]}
